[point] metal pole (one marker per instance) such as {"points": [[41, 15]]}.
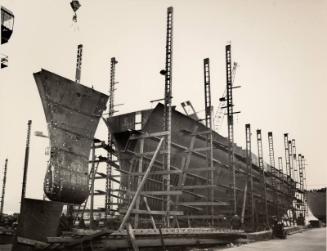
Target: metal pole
{"points": [[248, 135], [92, 186], [288, 171], [230, 119], [27, 151], [3, 188], [208, 122], [110, 143], [168, 99], [274, 179], [261, 166], [79, 63]]}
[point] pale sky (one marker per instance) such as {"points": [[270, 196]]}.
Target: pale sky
{"points": [[280, 47]]}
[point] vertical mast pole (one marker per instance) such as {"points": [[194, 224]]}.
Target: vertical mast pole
{"points": [[274, 179], [295, 171], [288, 167], [287, 155], [280, 167], [3, 188], [93, 172], [300, 166], [295, 178], [261, 166], [79, 63], [27, 151], [208, 122], [248, 136], [304, 184], [168, 99], [292, 179], [70, 208], [111, 112], [290, 152], [230, 119]]}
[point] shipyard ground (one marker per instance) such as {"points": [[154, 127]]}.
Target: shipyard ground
{"points": [[309, 240]]}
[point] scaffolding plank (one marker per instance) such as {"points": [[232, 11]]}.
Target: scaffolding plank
{"points": [[149, 135], [199, 217], [203, 203], [163, 172], [195, 187], [195, 133], [160, 192], [152, 212], [203, 169], [199, 149]]}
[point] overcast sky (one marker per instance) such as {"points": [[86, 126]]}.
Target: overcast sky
{"points": [[280, 47]]}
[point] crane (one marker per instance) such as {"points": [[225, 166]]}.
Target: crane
{"points": [[7, 24], [75, 6], [220, 113]]}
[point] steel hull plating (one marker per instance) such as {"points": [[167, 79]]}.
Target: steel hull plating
{"points": [[317, 203], [190, 163], [72, 112]]}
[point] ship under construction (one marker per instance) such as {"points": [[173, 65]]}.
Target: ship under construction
{"points": [[176, 178]]}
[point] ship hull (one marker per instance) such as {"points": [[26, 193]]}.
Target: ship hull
{"points": [[192, 177], [72, 113], [317, 203]]}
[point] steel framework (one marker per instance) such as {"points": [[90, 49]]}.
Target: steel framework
{"points": [[79, 63], [262, 168]]}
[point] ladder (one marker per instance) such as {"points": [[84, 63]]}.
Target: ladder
{"points": [[80, 210]]}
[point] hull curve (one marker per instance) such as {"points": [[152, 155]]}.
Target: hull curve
{"points": [[72, 113]]}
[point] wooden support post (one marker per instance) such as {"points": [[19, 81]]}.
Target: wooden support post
{"points": [[129, 179], [149, 210], [94, 170], [132, 237], [92, 187], [162, 240], [140, 187], [244, 202], [137, 205], [182, 176]]}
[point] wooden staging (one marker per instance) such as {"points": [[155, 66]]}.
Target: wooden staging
{"points": [[168, 237]]}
